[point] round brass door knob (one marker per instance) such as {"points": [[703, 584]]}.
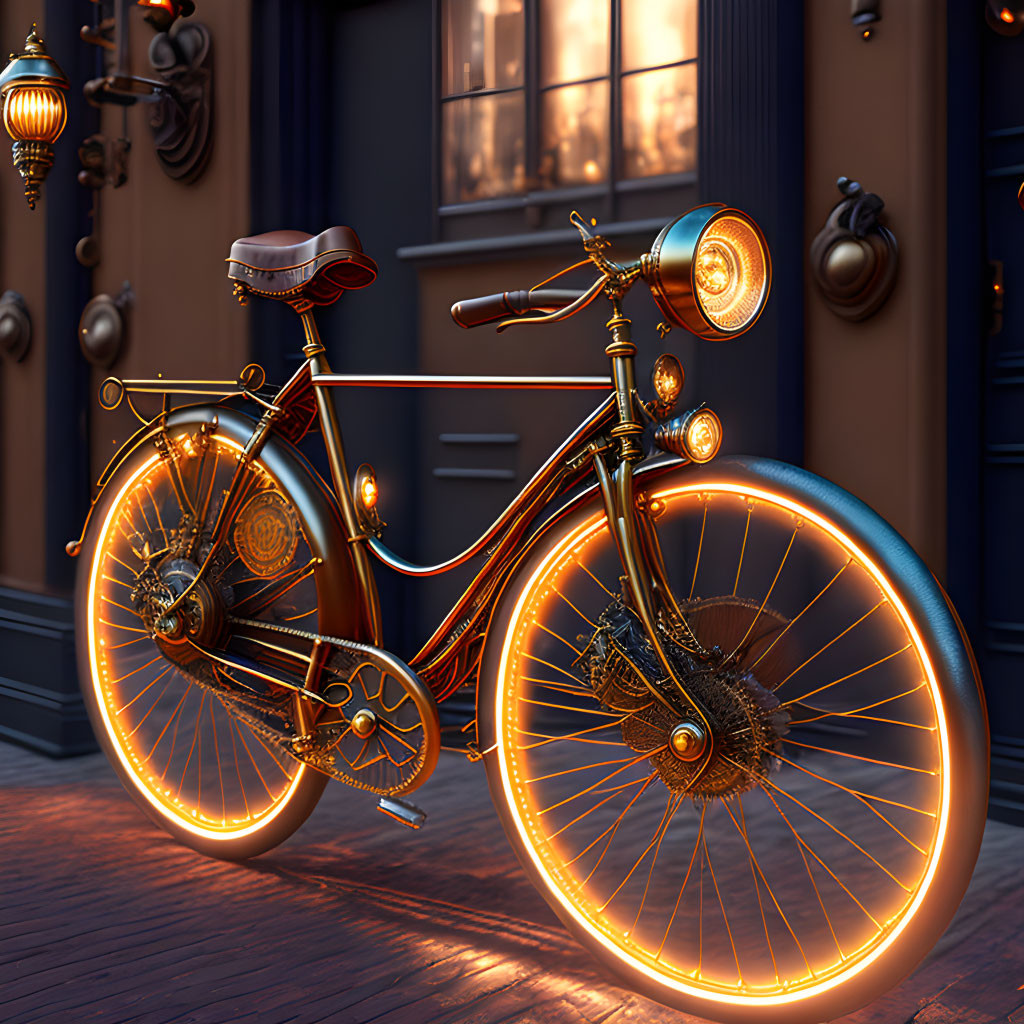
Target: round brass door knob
{"points": [[854, 258]]}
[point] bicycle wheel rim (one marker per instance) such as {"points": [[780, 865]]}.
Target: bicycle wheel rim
{"points": [[524, 821]]}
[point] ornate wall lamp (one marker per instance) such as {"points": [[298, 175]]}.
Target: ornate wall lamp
{"points": [[32, 94]]}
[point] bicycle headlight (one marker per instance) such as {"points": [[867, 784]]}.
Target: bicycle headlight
{"points": [[710, 272], [696, 435]]}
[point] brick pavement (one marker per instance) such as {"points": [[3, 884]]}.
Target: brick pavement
{"points": [[104, 919]]}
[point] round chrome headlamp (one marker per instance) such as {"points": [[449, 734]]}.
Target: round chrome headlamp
{"points": [[710, 272]]}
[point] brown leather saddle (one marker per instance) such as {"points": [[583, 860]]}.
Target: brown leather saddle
{"points": [[295, 266]]}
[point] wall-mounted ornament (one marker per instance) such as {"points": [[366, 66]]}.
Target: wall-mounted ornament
{"points": [[15, 326], [35, 110], [854, 257], [101, 328], [1005, 16], [180, 91]]}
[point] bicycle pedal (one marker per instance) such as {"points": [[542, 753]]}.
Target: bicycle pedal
{"points": [[403, 811]]}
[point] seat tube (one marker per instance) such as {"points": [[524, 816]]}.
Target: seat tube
{"points": [[314, 351]]}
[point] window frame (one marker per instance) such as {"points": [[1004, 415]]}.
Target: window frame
{"points": [[542, 206]]}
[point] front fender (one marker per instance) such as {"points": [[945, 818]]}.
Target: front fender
{"points": [[338, 594]]}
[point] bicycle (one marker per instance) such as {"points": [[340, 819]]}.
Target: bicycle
{"points": [[730, 721]]}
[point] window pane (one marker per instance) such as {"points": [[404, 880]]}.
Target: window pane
{"points": [[658, 32], [484, 149], [574, 135], [573, 40], [482, 44], [659, 122]]}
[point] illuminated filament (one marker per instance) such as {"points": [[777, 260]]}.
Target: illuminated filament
{"points": [[35, 113], [730, 272]]}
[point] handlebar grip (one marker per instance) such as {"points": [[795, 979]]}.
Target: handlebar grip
{"points": [[488, 309]]}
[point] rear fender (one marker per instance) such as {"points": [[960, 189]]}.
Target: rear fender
{"points": [[338, 594]]}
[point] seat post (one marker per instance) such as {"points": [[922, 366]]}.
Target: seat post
{"points": [[315, 353]]}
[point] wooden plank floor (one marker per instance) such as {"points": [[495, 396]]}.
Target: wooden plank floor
{"points": [[356, 919]]}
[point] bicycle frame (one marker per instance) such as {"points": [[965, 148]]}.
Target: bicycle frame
{"points": [[607, 442]]}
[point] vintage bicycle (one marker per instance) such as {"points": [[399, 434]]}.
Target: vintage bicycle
{"points": [[730, 721]]}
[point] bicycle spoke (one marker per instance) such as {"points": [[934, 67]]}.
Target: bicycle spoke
{"points": [[846, 789], [778, 573], [174, 715], [700, 545], [574, 608], [593, 577], [686, 878], [796, 618], [551, 632], [743, 548], [856, 711], [670, 809], [843, 679], [856, 757], [238, 766], [807, 847], [566, 707], [613, 828], [615, 791], [725, 917], [825, 821], [583, 792], [141, 692], [829, 644]]}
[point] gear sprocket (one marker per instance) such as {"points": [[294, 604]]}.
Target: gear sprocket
{"points": [[746, 718]]}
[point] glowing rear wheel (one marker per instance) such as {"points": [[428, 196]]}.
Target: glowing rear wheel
{"points": [[820, 852], [197, 768]]}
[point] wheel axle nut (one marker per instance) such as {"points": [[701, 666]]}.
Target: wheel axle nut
{"points": [[364, 722], [687, 741]]}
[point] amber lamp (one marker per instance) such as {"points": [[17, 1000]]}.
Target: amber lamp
{"points": [[161, 14], [710, 272], [32, 89]]}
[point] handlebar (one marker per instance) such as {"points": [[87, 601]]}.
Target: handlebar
{"points": [[489, 309]]}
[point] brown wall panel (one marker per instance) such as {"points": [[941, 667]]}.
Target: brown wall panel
{"points": [[875, 391], [170, 240]]}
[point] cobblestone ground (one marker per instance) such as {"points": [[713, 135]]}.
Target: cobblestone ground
{"points": [[356, 919]]}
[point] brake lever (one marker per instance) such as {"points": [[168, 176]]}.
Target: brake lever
{"points": [[562, 314]]}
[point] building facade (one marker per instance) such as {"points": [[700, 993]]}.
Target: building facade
{"points": [[456, 138]]}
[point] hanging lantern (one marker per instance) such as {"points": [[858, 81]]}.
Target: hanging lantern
{"points": [[32, 89]]}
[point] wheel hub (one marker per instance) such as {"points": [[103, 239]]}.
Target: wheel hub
{"points": [[746, 720], [198, 620], [688, 741]]}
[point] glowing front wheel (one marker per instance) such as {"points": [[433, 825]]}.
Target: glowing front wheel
{"points": [[819, 853]]}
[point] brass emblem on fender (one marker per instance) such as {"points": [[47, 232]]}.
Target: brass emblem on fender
{"points": [[266, 533]]}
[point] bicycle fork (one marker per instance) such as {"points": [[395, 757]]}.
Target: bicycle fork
{"points": [[633, 531]]}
